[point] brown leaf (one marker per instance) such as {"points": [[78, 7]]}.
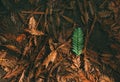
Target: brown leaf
{"points": [[68, 19], [13, 48], [58, 20], [34, 32], [51, 58], [27, 48], [76, 63], [51, 44], [22, 77], [104, 78], [32, 23], [3, 54], [15, 72], [20, 38]]}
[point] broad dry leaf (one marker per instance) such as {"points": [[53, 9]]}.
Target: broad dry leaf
{"points": [[51, 58], [13, 48]]}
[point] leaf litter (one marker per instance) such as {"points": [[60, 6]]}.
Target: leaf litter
{"points": [[35, 40]]}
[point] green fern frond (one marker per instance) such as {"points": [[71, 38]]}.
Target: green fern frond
{"points": [[77, 41]]}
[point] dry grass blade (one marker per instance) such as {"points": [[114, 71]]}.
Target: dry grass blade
{"points": [[50, 58]]}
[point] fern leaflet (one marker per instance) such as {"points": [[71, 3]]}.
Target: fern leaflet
{"points": [[77, 41]]}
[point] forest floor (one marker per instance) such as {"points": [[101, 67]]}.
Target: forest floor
{"points": [[36, 40]]}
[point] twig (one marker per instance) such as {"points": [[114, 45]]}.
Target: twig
{"points": [[29, 12]]}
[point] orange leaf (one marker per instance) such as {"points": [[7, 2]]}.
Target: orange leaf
{"points": [[12, 47], [51, 58], [34, 32], [20, 38], [32, 23], [68, 19], [15, 72]]}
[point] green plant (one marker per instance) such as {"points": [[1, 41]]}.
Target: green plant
{"points": [[77, 41]]}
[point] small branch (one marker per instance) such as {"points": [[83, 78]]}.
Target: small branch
{"points": [[29, 12]]}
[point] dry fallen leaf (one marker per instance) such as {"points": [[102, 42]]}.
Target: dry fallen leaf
{"points": [[33, 27], [27, 48], [22, 77], [32, 23], [104, 78], [34, 32], [3, 54], [20, 38], [51, 58], [51, 44], [15, 72], [68, 19], [13, 48]]}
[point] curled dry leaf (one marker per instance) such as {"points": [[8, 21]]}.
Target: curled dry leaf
{"points": [[51, 58]]}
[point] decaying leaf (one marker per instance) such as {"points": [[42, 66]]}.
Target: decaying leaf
{"points": [[50, 58]]}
